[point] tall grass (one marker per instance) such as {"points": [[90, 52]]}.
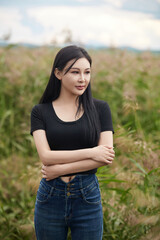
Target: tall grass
{"points": [[130, 187]]}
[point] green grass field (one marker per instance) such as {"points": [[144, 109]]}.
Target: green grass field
{"points": [[130, 187]]}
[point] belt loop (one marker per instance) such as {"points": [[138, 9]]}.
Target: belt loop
{"points": [[96, 180], [52, 188], [54, 182], [80, 182]]}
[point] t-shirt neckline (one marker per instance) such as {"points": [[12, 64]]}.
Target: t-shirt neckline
{"points": [[62, 121]]}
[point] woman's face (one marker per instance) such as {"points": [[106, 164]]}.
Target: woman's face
{"points": [[76, 80]]}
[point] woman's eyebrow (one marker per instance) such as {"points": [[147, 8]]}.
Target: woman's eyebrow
{"points": [[79, 68]]}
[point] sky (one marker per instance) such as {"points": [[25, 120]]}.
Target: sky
{"points": [[116, 23]]}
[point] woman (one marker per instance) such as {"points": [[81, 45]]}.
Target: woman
{"points": [[73, 134]]}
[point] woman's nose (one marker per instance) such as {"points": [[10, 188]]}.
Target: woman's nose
{"points": [[81, 79]]}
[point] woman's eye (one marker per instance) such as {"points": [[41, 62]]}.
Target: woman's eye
{"points": [[75, 72]]}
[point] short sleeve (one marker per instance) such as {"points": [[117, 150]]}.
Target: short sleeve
{"points": [[106, 118], [37, 121]]}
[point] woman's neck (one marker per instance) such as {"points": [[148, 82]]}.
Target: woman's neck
{"points": [[67, 100]]}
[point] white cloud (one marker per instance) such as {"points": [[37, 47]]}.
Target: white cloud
{"points": [[83, 1], [101, 24], [10, 22], [115, 3]]}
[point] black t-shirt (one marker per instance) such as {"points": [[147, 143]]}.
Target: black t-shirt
{"points": [[63, 135]]}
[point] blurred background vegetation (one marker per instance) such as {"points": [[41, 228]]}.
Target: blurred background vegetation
{"points": [[130, 188]]}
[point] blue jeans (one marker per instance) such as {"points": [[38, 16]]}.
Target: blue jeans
{"points": [[75, 205]]}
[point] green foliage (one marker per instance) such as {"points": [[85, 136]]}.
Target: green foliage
{"points": [[130, 83]]}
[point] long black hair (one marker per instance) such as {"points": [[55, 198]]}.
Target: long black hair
{"points": [[53, 87]]}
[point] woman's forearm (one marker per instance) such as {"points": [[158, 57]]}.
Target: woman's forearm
{"points": [[79, 166], [55, 170], [51, 157]]}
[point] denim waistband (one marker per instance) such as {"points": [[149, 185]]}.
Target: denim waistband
{"points": [[78, 184]]}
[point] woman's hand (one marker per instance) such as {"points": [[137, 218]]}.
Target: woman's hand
{"points": [[50, 172], [103, 153]]}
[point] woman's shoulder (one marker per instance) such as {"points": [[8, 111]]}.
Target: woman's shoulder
{"points": [[102, 106], [40, 107], [99, 103]]}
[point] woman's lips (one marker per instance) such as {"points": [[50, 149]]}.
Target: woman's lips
{"points": [[80, 87]]}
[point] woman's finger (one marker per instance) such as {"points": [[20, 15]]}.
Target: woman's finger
{"points": [[111, 151], [43, 167], [108, 162], [112, 155], [108, 146], [110, 159]]}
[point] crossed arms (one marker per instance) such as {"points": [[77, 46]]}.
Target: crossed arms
{"points": [[57, 163]]}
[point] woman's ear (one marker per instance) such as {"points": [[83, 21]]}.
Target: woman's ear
{"points": [[58, 73]]}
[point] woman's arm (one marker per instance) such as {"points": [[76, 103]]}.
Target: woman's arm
{"points": [[50, 157], [88, 164], [81, 166], [51, 172], [54, 171]]}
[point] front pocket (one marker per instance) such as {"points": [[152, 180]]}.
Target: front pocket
{"points": [[44, 193], [93, 195]]}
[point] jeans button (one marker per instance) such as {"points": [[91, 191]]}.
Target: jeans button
{"points": [[68, 194]]}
